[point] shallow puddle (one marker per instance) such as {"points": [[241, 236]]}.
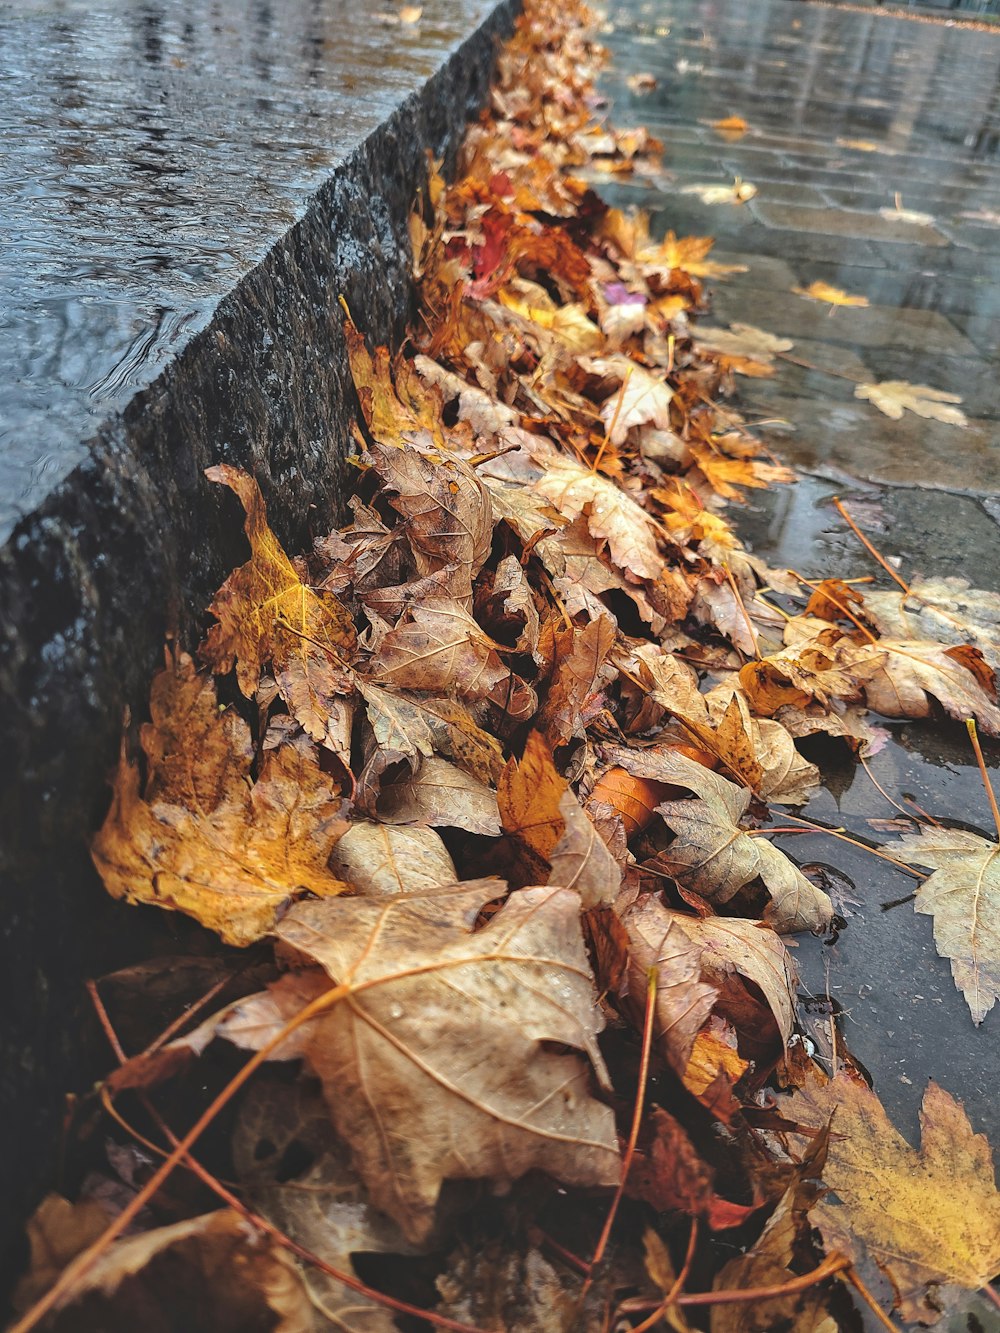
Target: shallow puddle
{"points": [[851, 113]]}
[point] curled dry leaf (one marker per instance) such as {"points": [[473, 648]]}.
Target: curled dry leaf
{"points": [[642, 397], [929, 1219], [407, 726], [203, 838], [963, 897], [893, 397], [324, 1208], [456, 1057], [912, 673], [441, 795], [580, 859], [266, 614], [683, 1001], [384, 860], [440, 649]]}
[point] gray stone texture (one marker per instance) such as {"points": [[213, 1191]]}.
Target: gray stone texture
{"points": [[188, 190]]}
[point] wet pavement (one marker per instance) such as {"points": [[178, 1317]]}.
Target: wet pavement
{"points": [[853, 113], [151, 153]]}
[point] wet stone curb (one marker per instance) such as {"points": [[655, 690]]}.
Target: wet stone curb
{"points": [[130, 546]]}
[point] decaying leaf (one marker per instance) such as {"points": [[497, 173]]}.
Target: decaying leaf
{"points": [[912, 673], [894, 396], [745, 341], [457, 1059], [442, 795], [930, 1219], [202, 838], [218, 1269], [943, 610], [963, 897]]}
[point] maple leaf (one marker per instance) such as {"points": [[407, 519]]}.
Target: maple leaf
{"points": [[927, 1218], [441, 795], [449, 516], [744, 342], [580, 860], [911, 673], [822, 291], [457, 1060], [894, 396], [580, 668], [612, 515], [945, 610], [407, 726], [687, 255], [204, 839], [963, 897], [439, 649], [731, 127], [265, 613], [642, 397], [395, 401], [711, 854]]}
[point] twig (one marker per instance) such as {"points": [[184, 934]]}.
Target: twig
{"points": [[895, 804], [970, 723], [743, 610], [837, 833], [830, 1267], [633, 1138], [849, 1275], [868, 546], [610, 428]]}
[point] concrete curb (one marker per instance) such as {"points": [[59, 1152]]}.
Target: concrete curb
{"points": [[131, 545]]}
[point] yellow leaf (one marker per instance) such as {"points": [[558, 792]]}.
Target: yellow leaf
{"points": [[822, 291], [732, 127]]}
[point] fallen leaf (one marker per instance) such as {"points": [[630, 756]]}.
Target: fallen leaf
{"points": [[219, 1269], [265, 613], [642, 397], [912, 673], [324, 1207], [683, 1001], [439, 649], [893, 396], [443, 796], [459, 1060], [945, 610], [928, 1218], [746, 341], [409, 725], [385, 860], [580, 667], [580, 859], [641, 83], [737, 193], [612, 515], [963, 897], [203, 838], [908, 215], [710, 853], [822, 291], [732, 127], [530, 795]]}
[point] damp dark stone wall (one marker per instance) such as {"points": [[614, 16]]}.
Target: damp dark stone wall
{"points": [[112, 538]]}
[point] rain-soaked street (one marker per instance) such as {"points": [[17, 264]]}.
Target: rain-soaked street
{"points": [[873, 144]]}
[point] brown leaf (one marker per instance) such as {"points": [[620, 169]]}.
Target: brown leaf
{"points": [[204, 839], [458, 1060], [393, 411], [530, 796], [384, 860], [265, 613], [963, 897], [642, 396], [928, 1218], [218, 1268], [683, 1001], [912, 673], [443, 796], [448, 512], [440, 649], [407, 726], [325, 1208], [580, 669], [580, 860], [612, 515]]}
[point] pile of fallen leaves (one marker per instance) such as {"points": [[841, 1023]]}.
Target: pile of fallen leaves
{"points": [[490, 772]]}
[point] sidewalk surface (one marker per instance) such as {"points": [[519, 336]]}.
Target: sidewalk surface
{"points": [[848, 111]]}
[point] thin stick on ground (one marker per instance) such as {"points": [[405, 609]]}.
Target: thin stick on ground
{"points": [[877, 555], [849, 1275], [983, 772], [633, 1138], [678, 1286]]}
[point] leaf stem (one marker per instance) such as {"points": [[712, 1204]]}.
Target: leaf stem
{"points": [[970, 723], [868, 546], [678, 1286]]}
